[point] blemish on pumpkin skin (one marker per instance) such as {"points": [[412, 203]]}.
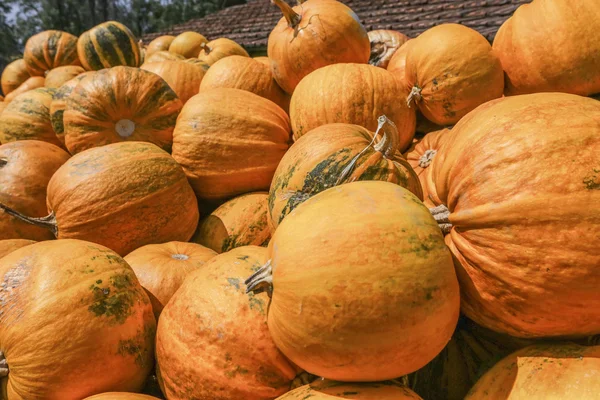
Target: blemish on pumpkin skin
{"points": [[114, 303], [235, 282], [592, 182]]}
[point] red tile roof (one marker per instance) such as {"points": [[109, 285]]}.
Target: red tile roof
{"points": [[250, 24]]}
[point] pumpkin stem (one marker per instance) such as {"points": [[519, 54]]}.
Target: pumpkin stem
{"points": [[204, 46], [415, 94], [427, 158], [292, 17], [388, 145], [48, 222], [3, 365], [442, 216], [261, 280]]}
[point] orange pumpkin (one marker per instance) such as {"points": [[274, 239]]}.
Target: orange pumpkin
{"points": [[220, 48], [532, 48], [160, 43], [107, 45], [9, 245], [14, 75], [385, 302], [120, 104], [384, 43], [229, 141], [323, 389], [188, 44], [312, 35], [104, 314], [183, 78], [213, 341], [369, 92], [163, 56], [59, 76], [31, 83], [397, 64], [121, 396], [245, 73], [334, 154], [525, 219], [2, 107], [447, 82], [162, 268], [48, 50], [59, 105]]}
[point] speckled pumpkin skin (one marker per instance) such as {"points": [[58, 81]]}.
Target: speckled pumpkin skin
{"points": [[213, 342], [48, 50], [161, 43], [104, 315], [31, 83], [108, 45], [184, 78], [61, 75], [187, 44], [330, 390], [218, 49], [9, 245], [59, 105], [14, 75]]}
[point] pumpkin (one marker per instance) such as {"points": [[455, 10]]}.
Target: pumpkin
{"points": [[9, 245], [323, 389], [385, 302], [122, 196], [312, 35], [420, 156], [27, 117], [160, 43], [120, 104], [108, 45], [104, 314], [48, 50], [31, 83], [162, 268], [245, 73], [397, 64], [183, 78], [446, 82], [384, 43], [218, 49], [59, 104], [2, 107], [26, 167], [14, 75], [213, 342], [532, 47], [195, 61], [59, 76], [229, 142], [543, 371], [121, 396], [163, 56], [508, 193], [188, 44], [369, 92], [334, 154], [241, 221]]}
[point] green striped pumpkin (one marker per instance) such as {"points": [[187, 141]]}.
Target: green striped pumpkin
{"points": [[48, 50], [109, 44]]}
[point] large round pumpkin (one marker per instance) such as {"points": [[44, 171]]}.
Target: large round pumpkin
{"points": [[384, 43], [59, 76], [162, 268], [59, 105], [446, 81], [312, 35], [26, 167], [184, 78], [27, 117], [14, 75], [245, 73], [63, 304], [50, 49], [363, 287], [31, 83], [369, 92], [120, 104], [520, 178], [220, 48], [334, 154], [229, 141], [188, 44], [121, 396], [160, 43], [9, 245], [108, 45], [163, 56], [551, 46], [330, 390]]}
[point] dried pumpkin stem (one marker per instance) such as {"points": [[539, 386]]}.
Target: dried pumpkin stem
{"points": [[415, 94], [205, 47], [48, 222], [261, 280], [427, 158], [3, 366], [441, 214], [292, 17]]}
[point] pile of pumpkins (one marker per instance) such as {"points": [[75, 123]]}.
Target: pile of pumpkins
{"points": [[358, 216]]}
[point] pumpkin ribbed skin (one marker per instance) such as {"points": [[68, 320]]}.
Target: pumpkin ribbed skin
{"points": [[241, 221], [61, 75], [317, 160], [162, 268], [121, 396], [531, 47], [9, 245], [245, 73], [26, 167], [108, 45], [31, 83], [299, 44], [386, 299], [330, 390], [384, 43], [59, 105], [161, 43], [120, 104], [48, 50], [123, 196], [218, 49], [509, 194], [229, 141], [449, 81], [212, 341], [369, 92], [104, 314], [184, 78], [539, 372], [27, 117], [163, 56], [188, 44], [14, 75]]}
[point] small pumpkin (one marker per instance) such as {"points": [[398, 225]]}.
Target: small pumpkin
{"points": [[59, 76], [162, 268], [220, 48], [48, 50], [59, 105], [120, 104], [229, 142], [213, 341], [31, 83], [108, 45], [14, 75], [163, 56], [245, 73], [312, 35], [7, 246], [334, 154], [188, 44], [184, 78], [160, 43], [323, 389], [241, 221], [384, 43], [369, 92], [121, 396]]}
